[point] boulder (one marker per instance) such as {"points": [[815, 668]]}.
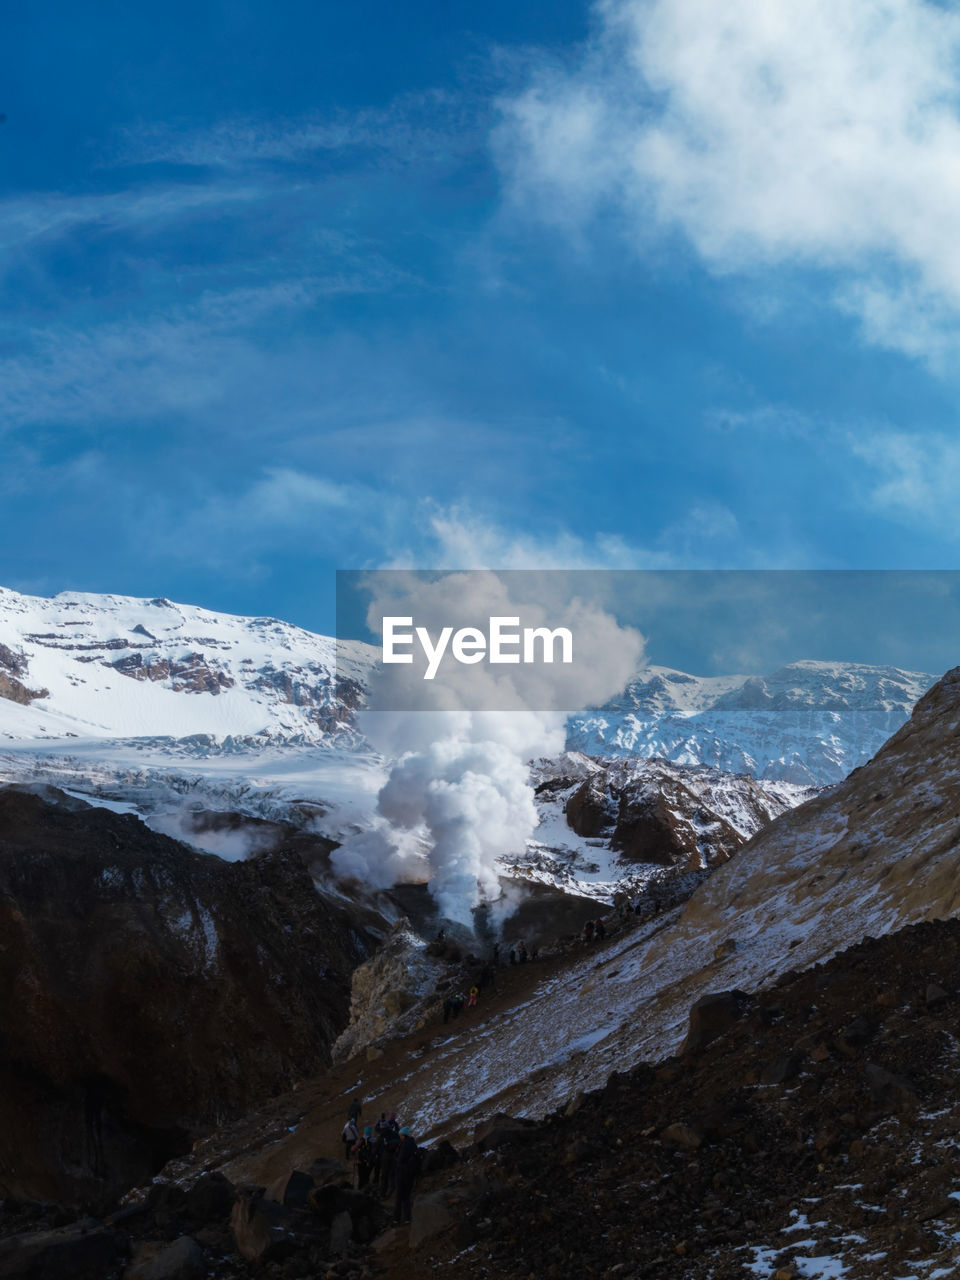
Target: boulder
{"points": [[781, 1069], [887, 1087], [83, 1251], [365, 1211], [182, 1260], [681, 1135], [711, 1016], [500, 1130], [211, 1198], [386, 1240], [260, 1227], [854, 1036], [442, 1156], [166, 1201], [293, 1190], [326, 1172], [431, 1215]]}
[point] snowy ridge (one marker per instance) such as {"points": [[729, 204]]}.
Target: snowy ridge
{"points": [[190, 681], [809, 723], [115, 667]]}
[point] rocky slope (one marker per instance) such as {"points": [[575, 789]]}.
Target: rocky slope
{"points": [[813, 1137], [877, 853], [150, 992], [815, 1133], [808, 1131]]}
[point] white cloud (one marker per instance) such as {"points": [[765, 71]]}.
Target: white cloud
{"points": [[459, 538], [702, 536], [916, 476], [814, 132]]}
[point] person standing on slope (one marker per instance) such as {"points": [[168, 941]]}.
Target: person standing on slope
{"points": [[406, 1171], [349, 1137], [389, 1140], [363, 1155]]}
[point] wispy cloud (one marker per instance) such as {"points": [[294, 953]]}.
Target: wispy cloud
{"points": [[46, 215], [365, 527], [808, 132], [907, 477], [913, 477], [175, 359], [426, 128]]}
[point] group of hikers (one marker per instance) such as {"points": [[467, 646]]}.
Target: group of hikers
{"points": [[456, 1002], [594, 930], [385, 1157], [518, 953]]}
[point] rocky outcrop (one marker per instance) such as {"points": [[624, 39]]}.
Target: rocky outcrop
{"points": [[85, 1250], [15, 690], [591, 810], [12, 666], [670, 815], [193, 673], [149, 992], [385, 989], [842, 1166]]}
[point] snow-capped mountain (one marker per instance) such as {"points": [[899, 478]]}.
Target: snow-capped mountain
{"points": [[78, 665], [187, 679], [186, 716], [809, 722]]}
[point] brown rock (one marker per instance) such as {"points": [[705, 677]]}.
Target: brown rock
{"points": [[431, 1215], [258, 1225], [500, 1130], [681, 1135], [711, 1016]]}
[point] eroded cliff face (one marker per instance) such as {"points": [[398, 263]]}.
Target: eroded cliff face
{"points": [[389, 985], [149, 992]]}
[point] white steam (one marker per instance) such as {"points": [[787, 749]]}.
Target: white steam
{"points": [[458, 797]]}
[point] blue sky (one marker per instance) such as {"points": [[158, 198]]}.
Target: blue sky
{"points": [[291, 288]]}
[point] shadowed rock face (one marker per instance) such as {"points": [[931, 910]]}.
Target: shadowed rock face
{"points": [[671, 815], [148, 992]]}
